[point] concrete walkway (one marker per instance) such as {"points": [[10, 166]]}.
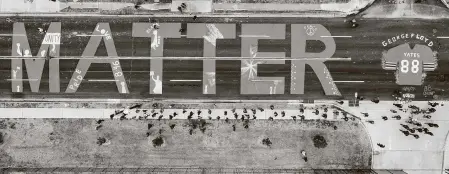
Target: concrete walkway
{"points": [[49, 6]]}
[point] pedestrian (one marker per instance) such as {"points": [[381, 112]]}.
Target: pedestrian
{"points": [[405, 126], [415, 135], [304, 155], [336, 112], [375, 100], [429, 133], [354, 24], [433, 104], [417, 124], [380, 145], [398, 105], [324, 115], [406, 133], [397, 117], [126, 110], [420, 130], [431, 110]]}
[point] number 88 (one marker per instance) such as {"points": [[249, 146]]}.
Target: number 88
{"points": [[405, 66]]}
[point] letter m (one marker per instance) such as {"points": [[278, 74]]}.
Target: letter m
{"points": [[35, 66]]}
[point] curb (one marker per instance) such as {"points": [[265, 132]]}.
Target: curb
{"points": [[230, 15]]}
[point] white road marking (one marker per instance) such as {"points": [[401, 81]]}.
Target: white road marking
{"points": [[253, 36], [443, 37], [21, 79], [213, 34], [101, 80], [336, 36], [12, 34], [87, 35], [264, 80], [349, 81], [185, 80]]}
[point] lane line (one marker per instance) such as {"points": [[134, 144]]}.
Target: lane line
{"points": [[349, 81], [443, 37], [21, 79], [185, 80], [253, 36], [336, 36], [13, 35], [265, 80], [86, 35], [101, 80], [186, 58]]}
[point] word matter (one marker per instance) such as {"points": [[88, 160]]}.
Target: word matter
{"points": [[156, 33]]}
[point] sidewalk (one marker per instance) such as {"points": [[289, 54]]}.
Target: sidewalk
{"points": [[77, 109], [324, 9]]}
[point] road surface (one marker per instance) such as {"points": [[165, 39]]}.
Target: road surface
{"points": [[364, 47]]}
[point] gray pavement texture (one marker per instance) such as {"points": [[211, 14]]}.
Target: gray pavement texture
{"points": [[364, 48]]}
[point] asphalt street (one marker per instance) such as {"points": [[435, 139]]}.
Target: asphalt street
{"points": [[364, 47]]}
